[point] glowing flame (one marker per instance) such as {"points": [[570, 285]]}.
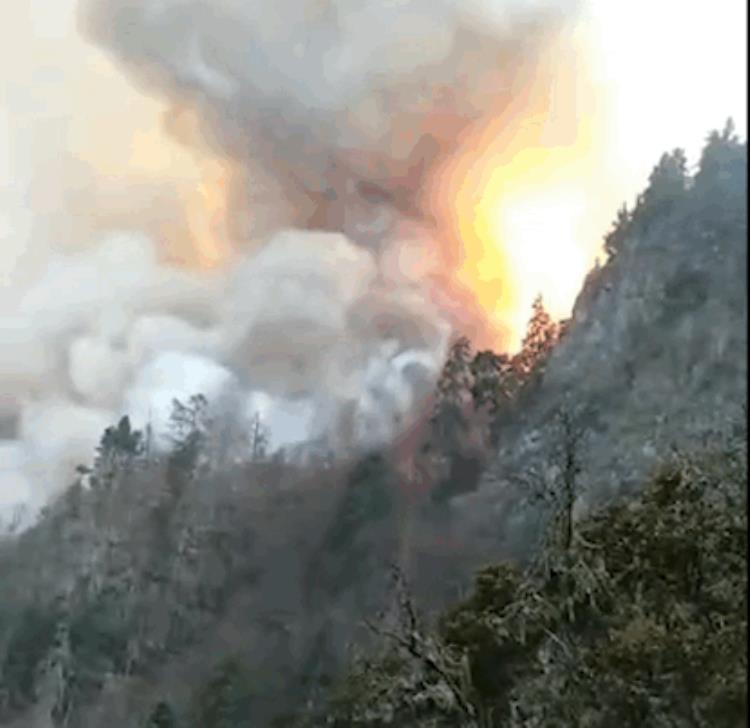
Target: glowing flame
{"points": [[525, 238], [516, 202]]}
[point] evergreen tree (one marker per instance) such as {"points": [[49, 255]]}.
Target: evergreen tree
{"points": [[455, 379], [670, 175], [666, 185], [189, 425], [494, 380], [636, 618], [720, 208], [719, 154], [117, 449], [189, 420], [449, 419], [615, 238], [259, 439], [541, 336], [368, 498]]}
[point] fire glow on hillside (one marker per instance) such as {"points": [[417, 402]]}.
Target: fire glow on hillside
{"points": [[292, 208]]}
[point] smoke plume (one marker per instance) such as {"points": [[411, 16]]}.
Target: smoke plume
{"points": [[331, 308]]}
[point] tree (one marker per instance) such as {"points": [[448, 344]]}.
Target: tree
{"points": [[189, 425], [162, 716], [455, 379], [498, 629], [720, 208], [565, 492], [642, 620], [668, 179], [618, 233], [449, 420], [259, 439], [117, 449], [368, 499], [719, 154], [494, 380], [412, 675], [234, 439], [541, 336], [188, 420], [667, 183]]}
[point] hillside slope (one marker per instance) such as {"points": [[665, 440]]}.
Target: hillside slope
{"points": [[655, 356], [638, 619], [139, 582]]}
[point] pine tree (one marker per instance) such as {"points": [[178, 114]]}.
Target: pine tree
{"points": [[615, 238], [455, 380], [188, 420], [494, 380], [669, 176], [259, 439], [449, 420], [719, 208], [667, 183], [189, 426], [719, 156], [117, 449], [541, 336]]}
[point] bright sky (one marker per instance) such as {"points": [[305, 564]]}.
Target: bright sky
{"points": [[677, 69], [657, 74]]}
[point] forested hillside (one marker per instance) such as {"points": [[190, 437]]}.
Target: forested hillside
{"points": [[635, 616], [600, 472]]}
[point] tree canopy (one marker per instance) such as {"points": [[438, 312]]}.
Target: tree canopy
{"points": [[640, 619]]}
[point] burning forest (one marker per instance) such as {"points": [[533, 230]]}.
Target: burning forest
{"points": [[309, 311]]}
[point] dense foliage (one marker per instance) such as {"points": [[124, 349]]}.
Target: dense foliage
{"points": [[475, 393], [640, 620]]}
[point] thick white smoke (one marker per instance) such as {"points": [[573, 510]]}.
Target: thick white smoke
{"points": [[291, 332], [324, 319]]}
